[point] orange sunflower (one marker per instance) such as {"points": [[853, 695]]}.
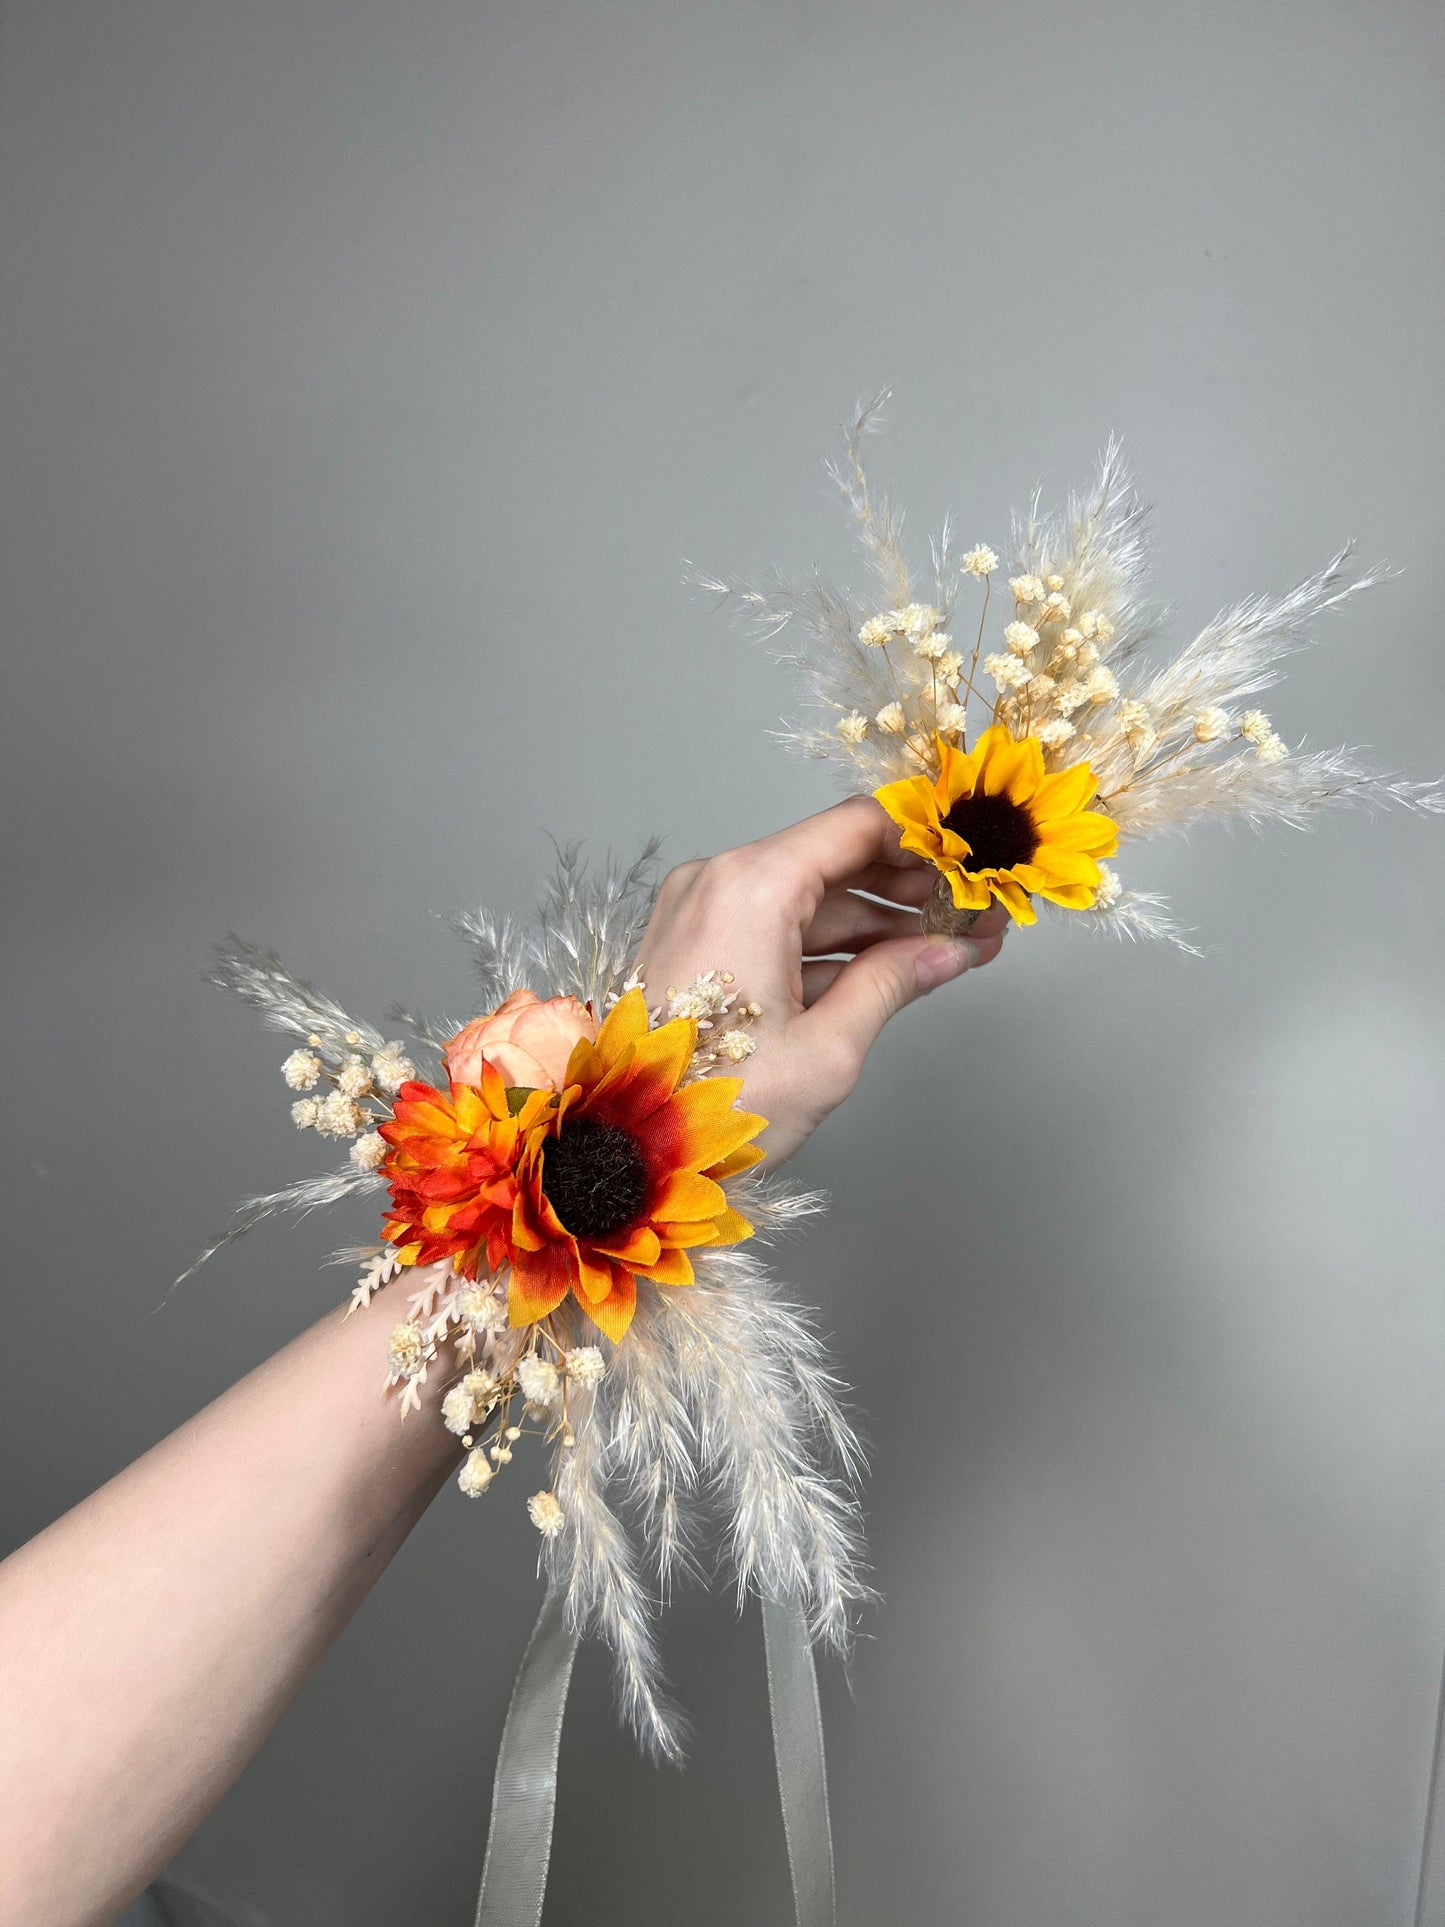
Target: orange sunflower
{"points": [[452, 1169], [997, 824], [623, 1178]]}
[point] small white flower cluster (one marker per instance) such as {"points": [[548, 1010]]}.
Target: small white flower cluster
{"points": [[469, 1402], [341, 1112], [1255, 727], [483, 1309], [540, 1381], [708, 1001], [916, 624], [546, 1514]]}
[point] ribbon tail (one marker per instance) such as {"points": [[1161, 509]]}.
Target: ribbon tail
{"points": [[524, 1792], [802, 1772]]}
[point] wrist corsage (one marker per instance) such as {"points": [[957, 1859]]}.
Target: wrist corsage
{"points": [[573, 1207], [1020, 750]]}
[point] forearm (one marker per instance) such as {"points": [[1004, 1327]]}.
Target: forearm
{"points": [[151, 1637]]}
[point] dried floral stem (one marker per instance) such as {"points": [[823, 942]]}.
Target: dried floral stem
{"points": [[940, 918]]}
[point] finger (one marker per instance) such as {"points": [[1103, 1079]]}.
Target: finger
{"points": [[881, 981], [845, 922], [837, 843], [817, 977]]}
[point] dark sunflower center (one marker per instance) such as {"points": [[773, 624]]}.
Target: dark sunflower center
{"points": [[593, 1177], [999, 833]]}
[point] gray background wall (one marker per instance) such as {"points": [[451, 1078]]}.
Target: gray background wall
{"points": [[369, 369]]}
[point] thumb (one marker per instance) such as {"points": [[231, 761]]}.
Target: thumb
{"points": [[877, 983]]}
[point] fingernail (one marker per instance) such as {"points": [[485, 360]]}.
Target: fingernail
{"points": [[942, 958]]}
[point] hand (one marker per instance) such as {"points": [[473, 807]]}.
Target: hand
{"points": [[776, 913]]}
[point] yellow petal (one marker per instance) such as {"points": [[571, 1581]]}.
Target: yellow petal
{"points": [[671, 1267], [910, 802], [614, 1314], [1066, 791], [732, 1227], [745, 1156], [1011, 896], [969, 892]]}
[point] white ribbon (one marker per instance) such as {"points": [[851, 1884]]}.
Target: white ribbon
{"points": [[524, 1791]]}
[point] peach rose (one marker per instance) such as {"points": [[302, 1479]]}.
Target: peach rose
{"points": [[526, 1039]]}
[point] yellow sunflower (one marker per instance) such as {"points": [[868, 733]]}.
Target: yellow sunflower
{"points": [[624, 1177], [997, 824]]}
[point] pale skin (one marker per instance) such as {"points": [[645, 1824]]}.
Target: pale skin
{"points": [[152, 1636]]}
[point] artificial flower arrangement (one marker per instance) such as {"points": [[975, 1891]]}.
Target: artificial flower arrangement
{"points": [[574, 1193], [573, 1201], [1019, 761]]}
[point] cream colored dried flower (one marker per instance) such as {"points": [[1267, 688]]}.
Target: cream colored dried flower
{"points": [[1103, 685], [539, 1381], [354, 1077], [301, 1070], [890, 718], [545, 1513], [457, 1411], [369, 1152], [1109, 889], [1026, 588], [306, 1113], [1020, 637], [949, 666], [980, 561], [585, 1366], [1054, 581], [875, 632], [340, 1116], [1055, 733], [917, 620], [933, 646], [476, 1475], [1209, 724], [1007, 671], [952, 717], [1272, 749], [1056, 607], [405, 1353], [391, 1068], [853, 728], [1254, 726], [735, 1045], [482, 1308]]}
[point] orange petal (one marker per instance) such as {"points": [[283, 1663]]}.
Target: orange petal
{"points": [[540, 1281], [614, 1314], [745, 1156], [732, 1227], [594, 1276], [686, 1237], [648, 1074], [698, 1126], [638, 1246], [688, 1196], [624, 1024], [670, 1267]]}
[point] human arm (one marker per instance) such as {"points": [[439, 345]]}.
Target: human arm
{"points": [[151, 1637]]}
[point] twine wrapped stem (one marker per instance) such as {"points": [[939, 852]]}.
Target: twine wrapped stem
{"points": [[939, 917]]}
